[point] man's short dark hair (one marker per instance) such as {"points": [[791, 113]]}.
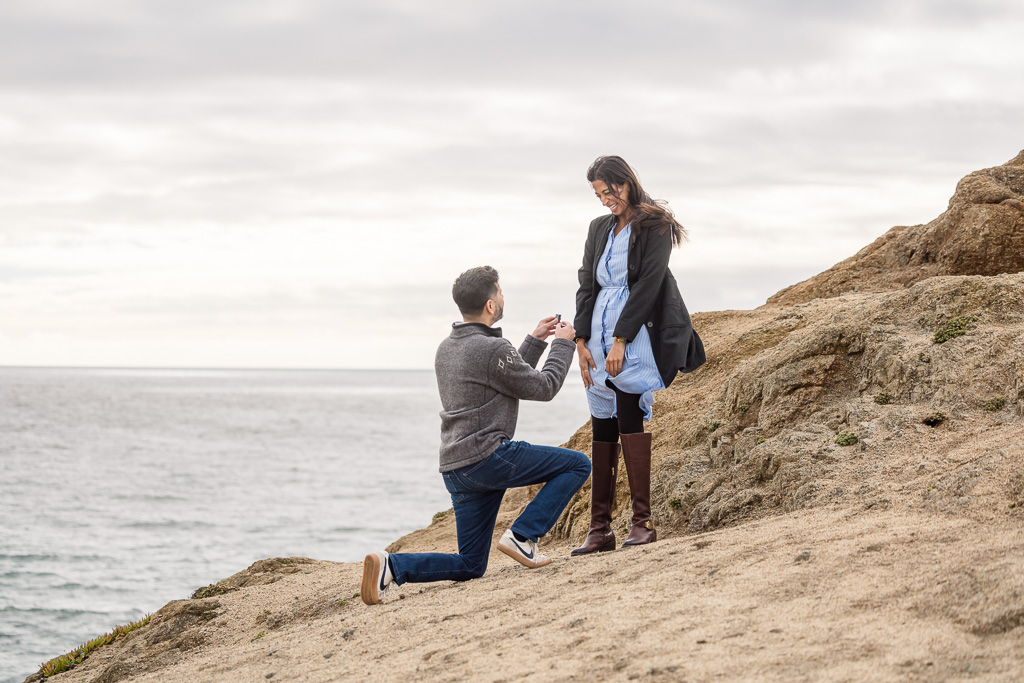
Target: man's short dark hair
{"points": [[474, 288]]}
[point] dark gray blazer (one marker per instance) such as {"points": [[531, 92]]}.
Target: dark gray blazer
{"points": [[654, 298]]}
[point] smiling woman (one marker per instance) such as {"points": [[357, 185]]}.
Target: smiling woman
{"points": [[633, 336]]}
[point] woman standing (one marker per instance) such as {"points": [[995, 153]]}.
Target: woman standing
{"points": [[633, 336]]}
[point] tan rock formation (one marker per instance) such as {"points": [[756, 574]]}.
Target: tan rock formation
{"points": [[981, 233]]}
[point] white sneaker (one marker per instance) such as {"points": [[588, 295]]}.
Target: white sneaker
{"points": [[523, 552], [377, 578]]}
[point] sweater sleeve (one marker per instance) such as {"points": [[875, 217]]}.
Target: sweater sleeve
{"points": [[508, 373], [643, 294], [532, 349]]}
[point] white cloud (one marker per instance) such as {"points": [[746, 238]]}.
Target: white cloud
{"points": [[297, 184]]}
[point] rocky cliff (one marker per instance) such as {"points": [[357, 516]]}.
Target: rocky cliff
{"points": [[981, 233], [839, 494]]}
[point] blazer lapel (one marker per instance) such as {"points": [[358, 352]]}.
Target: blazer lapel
{"points": [[602, 242]]}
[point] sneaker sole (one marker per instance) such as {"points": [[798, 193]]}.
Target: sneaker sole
{"points": [[368, 588], [522, 560]]}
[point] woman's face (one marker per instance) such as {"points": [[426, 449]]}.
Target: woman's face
{"points": [[616, 198]]}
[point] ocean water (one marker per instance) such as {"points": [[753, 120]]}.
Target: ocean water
{"points": [[121, 490]]}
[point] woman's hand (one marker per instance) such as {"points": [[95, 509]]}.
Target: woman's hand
{"points": [[613, 363], [586, 362]]}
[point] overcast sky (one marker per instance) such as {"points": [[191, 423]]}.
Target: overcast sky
{"points": [[297, 183]]}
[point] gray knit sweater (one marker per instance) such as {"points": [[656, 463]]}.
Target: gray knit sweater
{"points": [[481, 378]]}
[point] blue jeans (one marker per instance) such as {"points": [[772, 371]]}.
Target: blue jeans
{"points": [[477, 491]]}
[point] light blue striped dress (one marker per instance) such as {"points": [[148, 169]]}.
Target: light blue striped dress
{"points": [[639, 371]]}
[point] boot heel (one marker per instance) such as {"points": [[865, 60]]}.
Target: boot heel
{"points": [[610, 545]]}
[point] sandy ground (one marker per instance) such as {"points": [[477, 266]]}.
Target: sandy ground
{"points": [[835, 595]]}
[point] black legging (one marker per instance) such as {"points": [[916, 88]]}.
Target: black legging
{"points": [[630, 418]]}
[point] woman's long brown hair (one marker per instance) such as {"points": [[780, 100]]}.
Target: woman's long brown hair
{"points": [[647, 212]]}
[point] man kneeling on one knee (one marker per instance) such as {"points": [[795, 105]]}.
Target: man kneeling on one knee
{"points": [[481, 378]]}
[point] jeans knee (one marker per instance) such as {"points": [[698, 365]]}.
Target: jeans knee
{"points": [[475, 564], [582, 465], [476, 569]]}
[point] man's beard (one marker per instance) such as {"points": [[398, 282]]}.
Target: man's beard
{"points": [[498, 314]]}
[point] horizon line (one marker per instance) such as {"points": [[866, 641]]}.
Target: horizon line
{"points": [[212, 368]]}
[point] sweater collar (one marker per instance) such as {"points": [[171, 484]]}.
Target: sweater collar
{"points": [[464, 329]]}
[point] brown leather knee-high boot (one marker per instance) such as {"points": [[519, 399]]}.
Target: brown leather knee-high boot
{"points": [[636, 451], [605, 459]]}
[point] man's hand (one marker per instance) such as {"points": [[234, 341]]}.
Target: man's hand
{"points": [[565, 330], [613, 363], [586, 363], [545, 327]]}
